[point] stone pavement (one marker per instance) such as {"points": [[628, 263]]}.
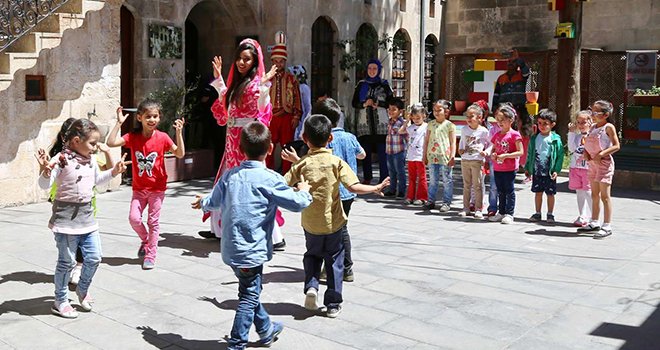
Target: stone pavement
{"points": [[423, 281]]}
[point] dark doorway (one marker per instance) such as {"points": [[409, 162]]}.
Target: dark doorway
{"points": [[127, 85], [323, 38], [366, 48]]}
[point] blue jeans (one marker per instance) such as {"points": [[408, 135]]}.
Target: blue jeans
{"points": [[329, 249], [435, 172], [396, 167], [67, 245], [492, 191], [249, 309], [507, 196]]}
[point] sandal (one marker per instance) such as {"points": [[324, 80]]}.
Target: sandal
{"points": [[85, 302], [64, 309]]}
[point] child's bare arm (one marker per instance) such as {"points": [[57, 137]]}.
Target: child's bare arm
{"points": [[113, 139], [359, 188]]}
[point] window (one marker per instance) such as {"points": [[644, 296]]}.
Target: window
{"points": [[35, 88], [432, 9], [402, 5]]}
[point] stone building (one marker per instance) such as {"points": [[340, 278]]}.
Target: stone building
{"points": [[91, 56]]}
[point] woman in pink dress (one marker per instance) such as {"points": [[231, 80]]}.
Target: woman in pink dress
{"points": [[242, 100]]}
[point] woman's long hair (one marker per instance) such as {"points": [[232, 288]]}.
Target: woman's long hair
{"points": [[239, 82]]}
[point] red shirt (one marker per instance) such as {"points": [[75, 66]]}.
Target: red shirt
{"points": [[506, 143], [148, 160]]}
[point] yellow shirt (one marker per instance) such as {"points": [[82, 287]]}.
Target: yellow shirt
{"points": [[324, 172]]}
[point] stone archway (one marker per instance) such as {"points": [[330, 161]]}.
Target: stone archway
{"points": [[323, 80], [401, 65], [366, 48], [431, 70]]}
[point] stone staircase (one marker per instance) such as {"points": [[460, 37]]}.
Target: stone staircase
{"points": [[24, 53]]}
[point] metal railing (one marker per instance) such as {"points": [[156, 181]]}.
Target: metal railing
{"points": [[18, 17]]}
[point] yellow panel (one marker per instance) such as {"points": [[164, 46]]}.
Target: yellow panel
{"points": [[532, 108], [656, 112], [484, 65]]}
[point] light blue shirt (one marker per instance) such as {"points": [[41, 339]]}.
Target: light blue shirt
{"points": [[248, 196], [345, 146]]}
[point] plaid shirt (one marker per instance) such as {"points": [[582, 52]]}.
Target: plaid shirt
{"points": [[395, 142]]}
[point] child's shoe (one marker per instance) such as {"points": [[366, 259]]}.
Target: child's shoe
{"points": [[268, 340], [310, 299], [428, 205], [148, 264], [349, 276], [463, 213], [333, 311], [491, 213], [64, 309], [444, 207], [535, 217], [418, 202], [496, 218], [603, 232], [408, 201], [472, 207], [75, 274], [85, 301], [507, 219], [590, 227], [323, 276], [550, 218], [478, 214], [579, 222]]}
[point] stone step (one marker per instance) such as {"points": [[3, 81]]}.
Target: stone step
{"points": [[50, 24], [47, 40], [4, 63], [5, 81], [21, 60], [27, 43]]}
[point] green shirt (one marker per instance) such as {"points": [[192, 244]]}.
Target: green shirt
{"points": [[324, 172], [438, 150]]}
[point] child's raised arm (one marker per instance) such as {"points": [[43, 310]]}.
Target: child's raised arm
{"points": [[113, 140], [179, 149]]}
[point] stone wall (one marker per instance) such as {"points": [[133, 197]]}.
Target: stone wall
{"points": [[82, 74], [496, 26]]}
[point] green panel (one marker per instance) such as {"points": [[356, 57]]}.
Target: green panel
{"points": [[471, 75], [639, 112]]}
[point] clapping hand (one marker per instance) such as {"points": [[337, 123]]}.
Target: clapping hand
{"points": [[381, 186], [121, 117], [303, 185], [290, 155]]}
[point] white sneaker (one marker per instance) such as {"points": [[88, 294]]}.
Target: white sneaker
{"points": [[463, 213], [507, 219], [444, 207], [478, 214], [310, 299], [75, 274], [496, 218]]}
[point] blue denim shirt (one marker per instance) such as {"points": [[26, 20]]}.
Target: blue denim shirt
{"points": [[248, 196], [345, 146]]}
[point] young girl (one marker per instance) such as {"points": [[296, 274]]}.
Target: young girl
{"points": [[507, 149], [440, 148], [148, 147], [473, 148], [104, 164], [577, 171], [75, 172], [416, 130], [601, 142]]}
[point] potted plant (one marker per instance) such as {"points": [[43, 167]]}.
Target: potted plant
{"points": [[650, 97]]}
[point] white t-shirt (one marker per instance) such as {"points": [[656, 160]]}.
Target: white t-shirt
{"points": [[416, 135], [473, 141]]}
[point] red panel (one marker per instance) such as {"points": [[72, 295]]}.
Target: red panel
{"points": [[501, 64], [476, 96], [636, 134]]}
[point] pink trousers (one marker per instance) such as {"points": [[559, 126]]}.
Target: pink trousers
{"points": [[149, 237]]}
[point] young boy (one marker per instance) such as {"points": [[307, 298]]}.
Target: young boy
{"points": [[345, 146], [395, 149], [248, 196], [545, 155], [324, 221]]}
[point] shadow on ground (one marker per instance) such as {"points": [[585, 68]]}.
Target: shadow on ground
{"points": [[280, 309], [29, 277], [28, 307], [191, 246], [163, 340]]}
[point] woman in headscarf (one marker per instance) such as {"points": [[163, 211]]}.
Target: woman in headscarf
{"points": [[370, 102], [242, 100]]}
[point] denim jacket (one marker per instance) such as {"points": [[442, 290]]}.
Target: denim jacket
{"points": [[248, 196]]}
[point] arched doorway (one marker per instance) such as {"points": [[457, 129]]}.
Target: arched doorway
{"points": [[401, 65], [323, 56], [431, 71], [366, 48]]}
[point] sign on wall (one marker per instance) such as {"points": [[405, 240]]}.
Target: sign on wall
{"points": [[165, 41], [640, 69]]}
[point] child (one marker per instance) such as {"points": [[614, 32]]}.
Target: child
{"points": [[440, 149], [493, 128], [473, 148], [345, 146], [148, 146], [104, 164], [545, 157], [75, 172], [324, 221], [507, 149], [395, 148], [577, 171], [418, 192], [248, 196], [601, 142]]}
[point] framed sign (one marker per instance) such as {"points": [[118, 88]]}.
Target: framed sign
{"points": [[165, 41], [640, 69], [35, 88]]}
